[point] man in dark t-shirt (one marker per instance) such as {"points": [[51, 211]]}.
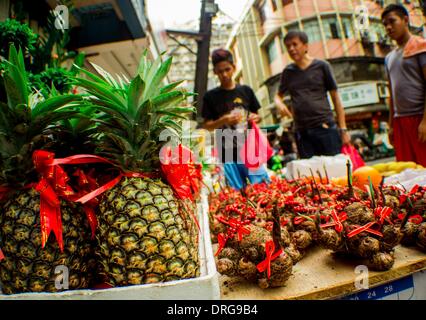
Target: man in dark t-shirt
{"points": [[307, 81], [227, 109]]}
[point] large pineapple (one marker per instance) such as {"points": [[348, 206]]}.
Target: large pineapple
{"points": [[145, 233], [27, 123]]}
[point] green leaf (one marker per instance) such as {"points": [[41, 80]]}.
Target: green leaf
{"points": [[52, 104], [135, 94], [102, 91], [15, 79], [153, 82], [170, 86], [106, 76]]}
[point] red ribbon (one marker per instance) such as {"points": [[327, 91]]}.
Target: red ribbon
{"points": [[4, 191], [236, 226], [366, 228], [53, 184], [221, 240], [1, 255], [180, 171], [301, 218], [416, 218], [86, 183], [111, 184], [270, 256], [383, 214], [413, 191], [337, 221]]}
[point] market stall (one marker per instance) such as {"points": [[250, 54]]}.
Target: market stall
{"points": [[388, 222]]}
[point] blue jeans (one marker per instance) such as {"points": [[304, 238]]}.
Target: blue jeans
{"points": [[237, 174], [318, 141]]}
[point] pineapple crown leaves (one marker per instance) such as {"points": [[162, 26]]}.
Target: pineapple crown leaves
{"points": [[26, 121], [135, 112]]}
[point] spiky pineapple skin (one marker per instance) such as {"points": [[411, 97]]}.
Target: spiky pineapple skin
{"points": [[27, 266], [142, 236]]}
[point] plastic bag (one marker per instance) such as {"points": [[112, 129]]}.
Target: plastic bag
{"points": [[353, 153], [256, 150]]}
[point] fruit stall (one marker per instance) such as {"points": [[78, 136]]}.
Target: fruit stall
{"points": [[97, 205]]}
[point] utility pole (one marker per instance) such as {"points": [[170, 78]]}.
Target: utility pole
{"points": [[208, 11]]}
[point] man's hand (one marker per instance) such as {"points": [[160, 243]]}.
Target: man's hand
{"points": [[254, 117], [390, 135], [422, 131], [231, 119], [346, 137]]}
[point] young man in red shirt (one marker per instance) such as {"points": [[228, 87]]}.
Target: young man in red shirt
{"points": [[406, 69]]}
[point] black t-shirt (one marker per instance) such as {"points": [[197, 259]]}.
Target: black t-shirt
{"points": [[308, 91], [218, 102]]}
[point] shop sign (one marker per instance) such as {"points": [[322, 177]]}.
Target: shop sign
{"points": [[359, 95]]}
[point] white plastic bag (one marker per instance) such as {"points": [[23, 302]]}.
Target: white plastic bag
{"points": [[335, 166], [408, 178]]}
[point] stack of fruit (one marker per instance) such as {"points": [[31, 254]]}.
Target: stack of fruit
{"points": [[143, 218], [391, 168]]}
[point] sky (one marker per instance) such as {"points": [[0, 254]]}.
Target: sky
{"points": [[175, 12]]}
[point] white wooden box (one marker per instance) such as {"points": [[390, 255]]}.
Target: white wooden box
{"points": [[204, 287]]}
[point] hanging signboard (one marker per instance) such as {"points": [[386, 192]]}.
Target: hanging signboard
{"points": [[359, 95]]}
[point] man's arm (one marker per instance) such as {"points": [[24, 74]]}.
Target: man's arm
{"points": [[340, 112], [227, 119], [422, 126], [282, 108], [390, 123]]}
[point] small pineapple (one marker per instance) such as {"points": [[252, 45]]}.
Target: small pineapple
{"points": [[145, 235], [26, 124]]}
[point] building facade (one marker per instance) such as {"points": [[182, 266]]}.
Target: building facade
{"points": [[112, 33], [347, 33], [183, 48]]}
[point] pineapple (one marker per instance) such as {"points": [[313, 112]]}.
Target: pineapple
{"points": [[26, 124], [145, 233]]}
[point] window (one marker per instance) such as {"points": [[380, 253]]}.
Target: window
{"points": [[348, 30], [262, 12], [274, 5], [331, 28], [293, 27], [271, 49], [312, 29], [377, 31], [282, 43]]}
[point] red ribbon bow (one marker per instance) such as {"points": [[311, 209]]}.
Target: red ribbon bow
{"points": [[270, 256], [366, 228], [404, 196], [337, 221], [1, 255], [180, 171], [235, 226], [383, 214], [52, 186], [53, 182]]}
